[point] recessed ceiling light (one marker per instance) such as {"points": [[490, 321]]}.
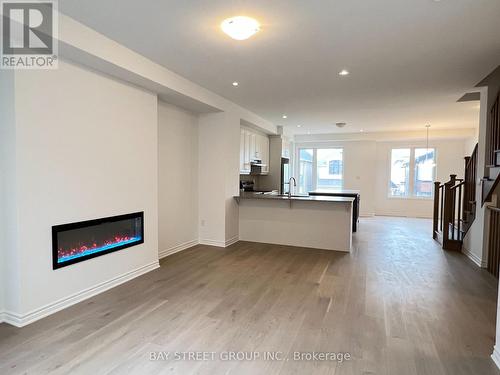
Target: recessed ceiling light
{"points": [[361, 130], [344, 72], [299, 126], [284, 116], [235, 83], [308, 132], [240, 27]]}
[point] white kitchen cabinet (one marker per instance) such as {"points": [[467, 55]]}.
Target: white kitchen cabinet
{"points": [[245, 153], [253, 146], [242, 150], [265, 153]]}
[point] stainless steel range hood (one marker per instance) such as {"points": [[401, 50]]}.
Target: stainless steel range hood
{"points": [[257, 167]]}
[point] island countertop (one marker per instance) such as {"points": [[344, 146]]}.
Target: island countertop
{"points": [[335, 192], [303, 198]]}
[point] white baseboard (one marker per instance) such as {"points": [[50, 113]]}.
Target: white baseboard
{"points": [[20, 320], [495, 356], [232, 241], [218, 243], [473, 257], [367, 214], [398, 214], [212, 242], [177, 248]]}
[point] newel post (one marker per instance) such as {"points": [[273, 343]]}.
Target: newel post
{"points": [[435, 216], [448, 208]]}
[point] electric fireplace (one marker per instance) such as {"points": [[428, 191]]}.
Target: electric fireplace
{"points": [[76, 242]]}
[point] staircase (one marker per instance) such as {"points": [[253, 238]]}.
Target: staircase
{"points": [[455, 206], [492, 153]]}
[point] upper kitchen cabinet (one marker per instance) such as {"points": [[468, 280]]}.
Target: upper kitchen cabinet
{"points": [[253, 146]]}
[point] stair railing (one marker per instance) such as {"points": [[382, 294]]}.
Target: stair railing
{"points": [[494, 241], [493, 134], [470, 177], [448, 211], [491, 180]]}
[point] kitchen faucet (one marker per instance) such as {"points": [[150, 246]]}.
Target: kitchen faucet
{"points": [[290, 186]]}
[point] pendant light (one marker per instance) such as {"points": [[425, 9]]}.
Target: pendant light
{"points": [[427, 146]]}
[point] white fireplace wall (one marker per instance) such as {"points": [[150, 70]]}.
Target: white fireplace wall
{"points": [[9, 278], [86, 148]]}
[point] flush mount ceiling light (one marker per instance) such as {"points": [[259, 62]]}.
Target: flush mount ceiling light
{"points": [[344, 72], [284, 116], [299, 126], [240, 27], [235, 83]]}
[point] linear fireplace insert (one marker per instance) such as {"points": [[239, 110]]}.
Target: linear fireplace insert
{"points": [[76, 242]]}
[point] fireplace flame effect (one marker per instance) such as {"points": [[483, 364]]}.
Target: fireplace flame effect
{"points": [[82, 250]]}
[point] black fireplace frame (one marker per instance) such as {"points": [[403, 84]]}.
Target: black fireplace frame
{"points": [[81, 224]]}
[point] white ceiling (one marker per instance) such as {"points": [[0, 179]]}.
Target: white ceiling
{"points": [[410, 60]]}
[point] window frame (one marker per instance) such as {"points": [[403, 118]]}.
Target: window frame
{"points": [[411, 176], [315, 163]]}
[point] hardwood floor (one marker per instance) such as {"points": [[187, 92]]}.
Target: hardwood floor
{"points": [[397, 304]]}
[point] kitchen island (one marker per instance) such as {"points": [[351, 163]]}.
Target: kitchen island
{"points": [[321, 222], [343, 193]]}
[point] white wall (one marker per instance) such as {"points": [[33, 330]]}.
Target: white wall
{"points": [[218, 148], [366, 168], [177, 178], [472, 141], [9, 276], [86, 148]]}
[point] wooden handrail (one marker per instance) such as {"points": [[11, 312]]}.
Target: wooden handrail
{"points": [[462, 183], [453, 204]]}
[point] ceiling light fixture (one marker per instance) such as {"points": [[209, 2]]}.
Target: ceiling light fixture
{"points": [[284, 116], [299, 126], [344, 72], [361, 130], [235, 83], [240, 27], [340, 124]]}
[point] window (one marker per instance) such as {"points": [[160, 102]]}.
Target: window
{"points": [[329, 168], [424, 172], [400, 171], [305, 170], [335, 167], [321, 168], [412, 172]]}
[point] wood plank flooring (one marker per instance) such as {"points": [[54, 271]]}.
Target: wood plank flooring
{"points": [[397, 304]]}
